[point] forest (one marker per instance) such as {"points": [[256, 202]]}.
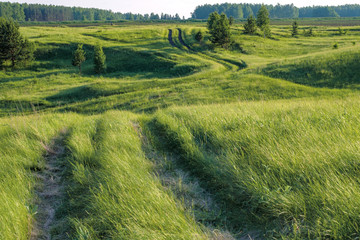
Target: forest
{"points": [[245, 10], [40, 12], [43, 13]]}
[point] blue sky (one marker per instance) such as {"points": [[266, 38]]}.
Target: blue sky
{"points": [[183, 7]]}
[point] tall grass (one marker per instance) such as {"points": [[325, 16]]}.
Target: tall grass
{"points": [[146, 73], [111, 192], [337, 70], [290, 168], [22, 146]]}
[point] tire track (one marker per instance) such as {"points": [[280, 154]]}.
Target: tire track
{"points": [[230, 65], [49, 190], [170, 38], [181, 40]]}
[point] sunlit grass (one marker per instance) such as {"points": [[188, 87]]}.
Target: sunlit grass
{"points": [[269, 130], [288, 167]]}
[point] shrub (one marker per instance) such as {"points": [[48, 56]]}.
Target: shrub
{"points": [[309, 33], [342, 32], [199, 36]]}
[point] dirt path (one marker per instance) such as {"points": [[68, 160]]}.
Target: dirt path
{"points": [[48, 189], [171, 39], [185, 189]]}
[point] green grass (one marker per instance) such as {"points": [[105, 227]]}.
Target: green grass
{"points": [[111, 192], [337, 70], [211, 143], [23, 141], [145, 73], [287, 167]]}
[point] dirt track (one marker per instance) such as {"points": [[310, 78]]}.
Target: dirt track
{"points": [[49, 190], [171, 39], [182, 40]]}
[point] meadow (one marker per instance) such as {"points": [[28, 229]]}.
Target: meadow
{"points": [[260, 141]]}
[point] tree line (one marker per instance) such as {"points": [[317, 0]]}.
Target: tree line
{"points": [[245, 10], [41, 12]]}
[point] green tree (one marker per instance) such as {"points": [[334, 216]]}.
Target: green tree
{"points": [[247, 11], [295, 29], [219, 29], [231, 20], [263, 21], [99, 59], [199, 36], [250, 25], [13, 46], [27, 52], [79, 57]]}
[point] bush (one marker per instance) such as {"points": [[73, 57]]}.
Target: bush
{"points": [[237, 47], [342, 32], [309, 33], [199, 36]]}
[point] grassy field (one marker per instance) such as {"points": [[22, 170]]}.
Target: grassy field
{"points": [[257, 142]]}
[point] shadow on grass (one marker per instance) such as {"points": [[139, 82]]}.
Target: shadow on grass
{"points": [[340, 70], [120, 61]]}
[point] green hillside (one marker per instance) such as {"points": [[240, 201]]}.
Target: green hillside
{"points": [[178, 140]]}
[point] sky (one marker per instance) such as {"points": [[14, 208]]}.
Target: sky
{"points": [[182, 7]]}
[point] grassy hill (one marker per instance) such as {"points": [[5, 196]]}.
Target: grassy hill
{"points": [[182, 142]]}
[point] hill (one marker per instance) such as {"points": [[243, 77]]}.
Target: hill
{"points": [[178, 140]]}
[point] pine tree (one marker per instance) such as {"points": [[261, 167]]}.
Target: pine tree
{"points": [[295, 29], [219, 29], [79, 57], [13, 46], [99, 59], [250, 25], [263, 21]]}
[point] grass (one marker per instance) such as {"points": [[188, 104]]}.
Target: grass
{"points": [[337, 70], [23, 141], [177, 144], [158, 75], [288, 167], [111, 192]]}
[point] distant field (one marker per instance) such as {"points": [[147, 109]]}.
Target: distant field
{"points": [[183, 142]]}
